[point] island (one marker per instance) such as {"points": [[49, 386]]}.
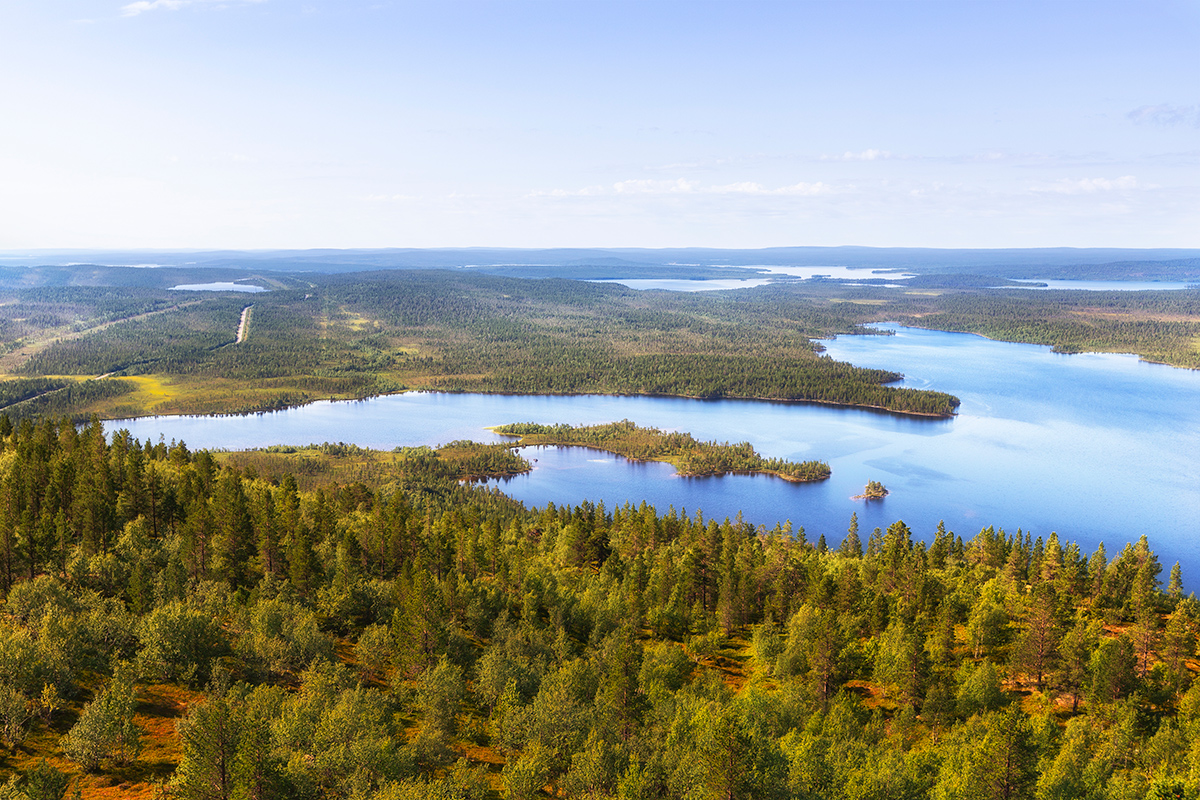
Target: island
{"points": [[691, 458], [874, 490]]}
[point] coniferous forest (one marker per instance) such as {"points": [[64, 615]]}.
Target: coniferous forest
{"points": [[335, 622]]}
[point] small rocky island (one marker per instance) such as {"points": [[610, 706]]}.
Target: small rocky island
{"points": [[874, 491]]}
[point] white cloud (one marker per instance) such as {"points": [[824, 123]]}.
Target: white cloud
{"points": [[391, 198], [133, 9], [802, 188], [1089, 185], [742, 187], [683, 186], [677, 186], [1166, 114], [142, 6], [865, 155]]}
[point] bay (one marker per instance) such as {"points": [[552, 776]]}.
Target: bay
{"points": [[1098, 447]]}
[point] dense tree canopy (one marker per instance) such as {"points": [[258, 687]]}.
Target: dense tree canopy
{"points": [[407, 635]]}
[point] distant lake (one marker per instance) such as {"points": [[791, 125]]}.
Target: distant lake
{"points": [[218, 286], [769, 275], [677, 285], [848, 276], [1097, 447], [1108, 286], [838, 273]]}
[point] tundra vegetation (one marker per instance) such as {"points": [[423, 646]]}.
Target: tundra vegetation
{"points": [[331, 622]]}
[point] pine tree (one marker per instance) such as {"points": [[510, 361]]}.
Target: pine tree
{"points": [[725, 753], [1175, 583], [233, 535], [1113, 670], [1037, 647], [302, 561], [851, 547], [417, 626], [1074, 667], [210, 735]]}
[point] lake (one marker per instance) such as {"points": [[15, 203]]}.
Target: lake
{"points": [[686, 285], [218, 286], [769, 274], [1107, 286], [847, 276], [1097, 447]]}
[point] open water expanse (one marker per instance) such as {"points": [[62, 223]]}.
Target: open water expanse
{"points": [[769, 274], [1096, 447], [1108, 286], [219, 286]]}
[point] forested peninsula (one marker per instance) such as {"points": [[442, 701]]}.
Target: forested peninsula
{"points": [[354, 336], [131, 350], [690, 457], [330, 622]]}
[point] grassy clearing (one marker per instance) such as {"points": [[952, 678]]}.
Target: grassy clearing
{"points": [[153, 390], [185, 394], [316, 466], [357, 322]]}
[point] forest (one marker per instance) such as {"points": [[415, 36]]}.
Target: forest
{"points": [[355, 335], [333, 622]]}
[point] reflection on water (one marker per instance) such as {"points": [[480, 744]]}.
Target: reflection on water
{"points": [[1094, 446]]}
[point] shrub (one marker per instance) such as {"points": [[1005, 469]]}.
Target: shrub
{"points": [[278, 637], [180, 643], [525, 776], [106, 729]]}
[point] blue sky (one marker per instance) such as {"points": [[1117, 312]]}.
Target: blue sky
{"points": [[272, 123]]}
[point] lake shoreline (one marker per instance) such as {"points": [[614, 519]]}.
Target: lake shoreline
{"points": [[1090, 448], [740, 398]]}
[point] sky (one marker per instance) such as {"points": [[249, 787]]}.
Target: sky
{"points": [[257, 124]]}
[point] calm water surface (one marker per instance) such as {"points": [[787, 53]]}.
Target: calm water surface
{"points": [[683, 285], [1095, 447], [715, 284], [1108, 286], [847, 274], [218, 286]]}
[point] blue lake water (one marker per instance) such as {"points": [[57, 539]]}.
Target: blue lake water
{"points": [[683, 285], [848, 277], [769, 273], [218, 286], [1097, 447], [1108, 286]]}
